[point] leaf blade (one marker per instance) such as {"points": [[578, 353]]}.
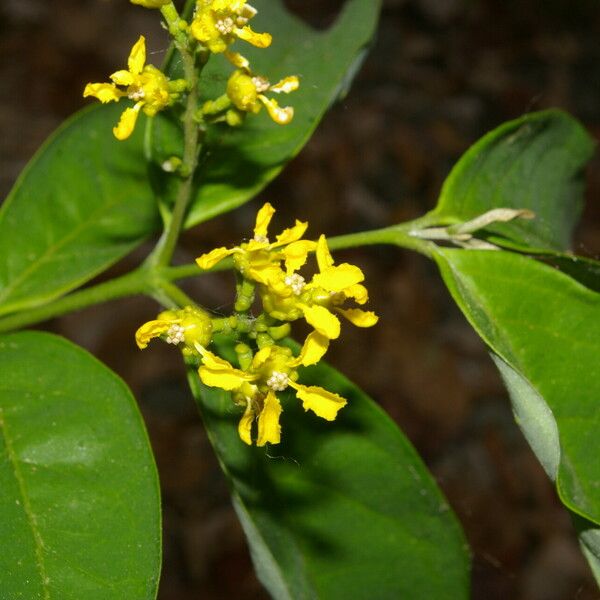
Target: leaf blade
{"points": [[534, 162], [529, 313], [341, 508], [81, 508], [81, 204]]}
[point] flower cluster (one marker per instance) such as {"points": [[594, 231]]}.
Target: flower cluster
{"points": [[266, 367], [148, 87], [215, 26]]}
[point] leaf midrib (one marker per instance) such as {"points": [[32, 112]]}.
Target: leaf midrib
{"points": [[27, 508]]}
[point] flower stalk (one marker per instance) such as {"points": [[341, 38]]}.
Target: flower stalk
{"points": [[163, 253]]}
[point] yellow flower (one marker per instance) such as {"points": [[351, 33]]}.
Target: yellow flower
{"points": [[149, 87], [218, 23], [288, 297], [273, 369], [188, 326], [259, 259], [151, 3], [247, 91]]}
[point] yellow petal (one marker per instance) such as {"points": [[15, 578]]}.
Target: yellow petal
{"points": [[323, 403], [217, 372], [286, 85], [269, 430], [358, 292], [204, 30], [322, 320], [122, 77], [126, 123], [263, 273], [324, 258], [105, 92], [281, 115], [296, 254], [226, 379], [251, 245], [312, 351], [137, 56], [263, 218], [338, 278], [358, 317], [150, 330], [260, 40], [291, 234], [229, 5], [245, 424], [261, 357], [210, 259], [237, 60]]}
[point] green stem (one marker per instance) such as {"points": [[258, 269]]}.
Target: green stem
{"points": [[396, 235], [131, 284], [151, 282], [154, 281], [174, 22], [176, 295], [162, 254]]}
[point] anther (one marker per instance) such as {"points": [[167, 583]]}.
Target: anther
{"points": [[137, 94], [224, 26], [175, 335], [296, 282], [261, 84], [278, 381]]}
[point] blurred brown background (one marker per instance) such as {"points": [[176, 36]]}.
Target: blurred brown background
{"points": [[442, 72]]}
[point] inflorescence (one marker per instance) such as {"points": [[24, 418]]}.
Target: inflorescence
{"points": [[266, 367], [266, 269], [215, 26]]}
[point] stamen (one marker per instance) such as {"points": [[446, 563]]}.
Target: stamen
{"points": [[224, 26], [261, 239], [137, 94], [175, 335], [278, 381], [248, 11], [261, 84], [296, 282]]}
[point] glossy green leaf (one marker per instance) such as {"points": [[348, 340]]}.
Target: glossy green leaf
{"points": [[534, 162], [79, 500], [342, 509], [544, 328], [238, 162], [589, 539], [82, 203]]}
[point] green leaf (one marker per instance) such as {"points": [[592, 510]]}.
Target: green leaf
{"points": [[239, 162], [80, 504], [534, 162], [82, 203], [589, 539], [544, 328], [342, 509]]}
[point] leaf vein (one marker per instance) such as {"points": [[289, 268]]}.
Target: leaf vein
{"points": [[29, 514]]}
